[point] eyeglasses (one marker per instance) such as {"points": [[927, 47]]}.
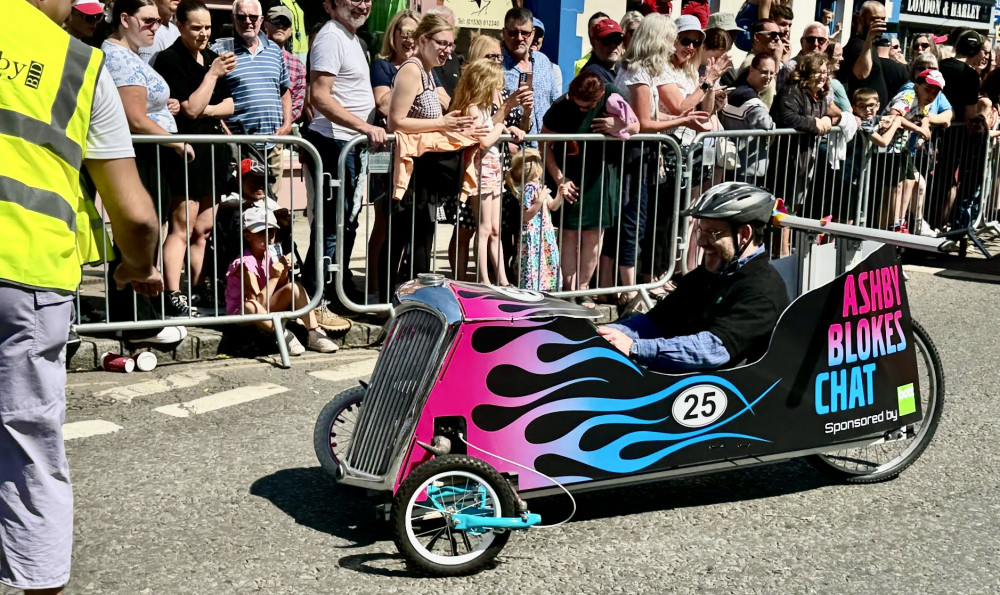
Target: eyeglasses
{"points": [[772, 35], [247, 17], [816, 40], [688, 42], [149, 22], [612, 40], [281, 23], [444, 45], [406, 33], [518, 33], [922, 46], [360, 2], [894, 46], [713, 235], [494, 57]]}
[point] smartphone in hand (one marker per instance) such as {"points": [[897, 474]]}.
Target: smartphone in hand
{"points": [[524, 79]]}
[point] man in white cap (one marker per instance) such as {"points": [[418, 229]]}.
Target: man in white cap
{"points": [[83, 18]]}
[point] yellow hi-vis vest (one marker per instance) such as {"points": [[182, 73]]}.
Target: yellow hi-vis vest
{"points": [[47, 83]]}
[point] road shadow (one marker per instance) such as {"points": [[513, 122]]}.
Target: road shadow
{"points": [[740, 485], [314, 500]]}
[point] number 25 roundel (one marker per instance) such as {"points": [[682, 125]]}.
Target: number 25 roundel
{"points": [[699, 406]]}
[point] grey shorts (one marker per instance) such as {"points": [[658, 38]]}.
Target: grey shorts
{"points": [[36, 500]]}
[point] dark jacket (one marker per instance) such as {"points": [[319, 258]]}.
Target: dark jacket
{"points": [[792, 160], [740, 309]]}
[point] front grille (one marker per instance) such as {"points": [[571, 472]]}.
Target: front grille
{"points": [[387, 411]]}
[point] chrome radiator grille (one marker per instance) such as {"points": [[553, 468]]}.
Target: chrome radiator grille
{"points": [[408, 357]]}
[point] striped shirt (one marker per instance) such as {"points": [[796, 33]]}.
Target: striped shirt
{"points": [[256, 85]]}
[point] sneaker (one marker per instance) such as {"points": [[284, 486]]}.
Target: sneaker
{"points": [[330, 321], [166, 335], [926, 230], [901, 227], [294, 347], [318, 341], [177, 306]]}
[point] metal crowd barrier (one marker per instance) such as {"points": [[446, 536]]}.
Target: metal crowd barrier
{"points": [[105, 309], [642, 175]]}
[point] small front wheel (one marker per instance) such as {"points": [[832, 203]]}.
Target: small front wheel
{"points": [[334, 429], [425, 502]]}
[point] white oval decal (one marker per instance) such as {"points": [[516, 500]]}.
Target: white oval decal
{"points": [[699, 405]]}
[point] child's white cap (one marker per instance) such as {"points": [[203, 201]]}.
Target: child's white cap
{"points": [[256, 219]]}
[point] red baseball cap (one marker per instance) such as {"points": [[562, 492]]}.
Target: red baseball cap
{"points": [[932, 77], [607, 27], [90, 7]]}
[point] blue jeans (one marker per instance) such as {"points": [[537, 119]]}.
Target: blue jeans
{"points": [[329, 151]]}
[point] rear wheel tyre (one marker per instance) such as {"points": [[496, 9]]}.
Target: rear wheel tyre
{"points": [[879, 462], [421, 522], [334, 431]]}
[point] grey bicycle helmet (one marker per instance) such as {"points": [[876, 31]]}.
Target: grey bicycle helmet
{"points": [[736, 202]]}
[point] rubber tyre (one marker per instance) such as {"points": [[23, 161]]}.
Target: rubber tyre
{"points": [[407, 490], [925, 347], [347, 401]]}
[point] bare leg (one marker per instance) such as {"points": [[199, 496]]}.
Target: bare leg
{"points": [[199, 240], [568, 255], [175, 244], [293, 297], [375, 243], [481, 212], [590, 254], [496, 250]]}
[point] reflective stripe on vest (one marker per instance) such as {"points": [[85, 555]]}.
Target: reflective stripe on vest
{"points": [[46, 95]]}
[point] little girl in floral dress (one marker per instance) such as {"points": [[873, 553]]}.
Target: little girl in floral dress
{"points": [[539, 250]]}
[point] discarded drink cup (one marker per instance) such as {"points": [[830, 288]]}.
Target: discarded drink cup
{"points": [[116, 362], [145, 361]]}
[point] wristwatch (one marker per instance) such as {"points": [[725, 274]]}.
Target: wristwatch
{"points": [[706, 86]]}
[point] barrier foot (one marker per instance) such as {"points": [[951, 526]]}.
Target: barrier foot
{"points": [[279, 331], [646, 299], [967, 234]]}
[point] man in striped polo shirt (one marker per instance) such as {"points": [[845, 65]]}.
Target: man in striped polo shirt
{"points": [[259, 86]]}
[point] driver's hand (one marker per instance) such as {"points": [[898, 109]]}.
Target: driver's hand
{"points": [[618, 339]]}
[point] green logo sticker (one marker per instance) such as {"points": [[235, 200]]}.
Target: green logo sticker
{"points": [[907, 399]]}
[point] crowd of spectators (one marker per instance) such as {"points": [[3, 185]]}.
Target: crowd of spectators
{"points": [[603, 212]]}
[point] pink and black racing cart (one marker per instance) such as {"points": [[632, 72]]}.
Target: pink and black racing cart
{"points": [[485, 397]]}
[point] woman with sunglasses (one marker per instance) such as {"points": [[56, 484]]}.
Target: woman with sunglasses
{"points": [[398, 46], [145, 96], [922, 43], [801, 104], [681, 89]]}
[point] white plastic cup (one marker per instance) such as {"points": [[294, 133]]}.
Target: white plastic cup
{"points": [[224, 45], [145, 361]]}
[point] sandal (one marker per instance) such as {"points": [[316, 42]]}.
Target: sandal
{"points": [[587, 301]]}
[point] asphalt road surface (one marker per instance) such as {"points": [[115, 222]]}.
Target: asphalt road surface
{"points": [[223, 495]]}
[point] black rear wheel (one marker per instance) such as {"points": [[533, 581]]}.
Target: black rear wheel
{"points": [[334, 429], [887, 459]]}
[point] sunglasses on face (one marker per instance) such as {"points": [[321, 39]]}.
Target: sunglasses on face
{"points": [[518, 33], [149, 22], [922, 46], [816, 40], [772, 35], [688, 42], [247, 17], [612, 40]]}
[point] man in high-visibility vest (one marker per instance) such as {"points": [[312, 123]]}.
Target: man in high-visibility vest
{"points": [[59, 111]]}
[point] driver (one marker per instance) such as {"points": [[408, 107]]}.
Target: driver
{"points": [[723, 312]]}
